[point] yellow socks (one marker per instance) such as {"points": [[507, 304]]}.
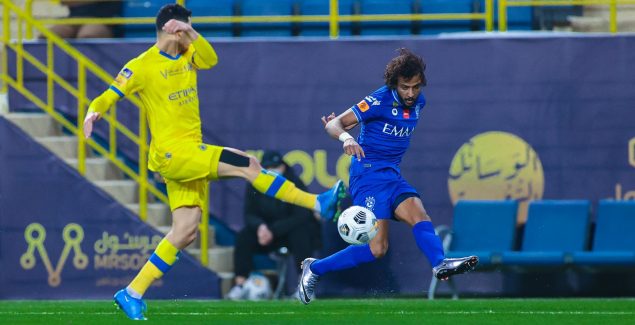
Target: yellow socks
{"points": [[159, 263], [274, 185]]}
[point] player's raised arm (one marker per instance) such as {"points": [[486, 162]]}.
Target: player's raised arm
{"points": [[336, 127], [204, 56]]}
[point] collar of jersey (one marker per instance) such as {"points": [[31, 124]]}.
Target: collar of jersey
{"points": [[169, 56], [396, 96]]}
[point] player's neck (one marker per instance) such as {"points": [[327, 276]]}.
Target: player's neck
{"points": [[168, 46]]}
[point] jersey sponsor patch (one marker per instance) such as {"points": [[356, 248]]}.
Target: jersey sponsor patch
{"points": [[363, 106], [406, 113], [126, 73]]}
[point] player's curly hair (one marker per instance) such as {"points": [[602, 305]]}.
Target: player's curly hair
{"points": [[172, 11], [406, 65]]}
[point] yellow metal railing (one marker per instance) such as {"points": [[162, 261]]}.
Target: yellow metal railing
{"points": [[333, 18], [84, 66], [503, 5]]}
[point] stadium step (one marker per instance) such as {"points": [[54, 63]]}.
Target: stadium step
{"points": [[220, 258], [158, 216], [35, 124], [64, 147], [124, 191], [98, 169]]}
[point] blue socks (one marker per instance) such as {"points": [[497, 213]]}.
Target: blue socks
{"points": [[428, 241], [347, 258]]}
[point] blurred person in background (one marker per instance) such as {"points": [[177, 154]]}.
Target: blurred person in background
{"points": [[271, 224], [90, 9]]}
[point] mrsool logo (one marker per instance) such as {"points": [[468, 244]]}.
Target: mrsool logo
{"points": [[35, 234], [497, 166]]}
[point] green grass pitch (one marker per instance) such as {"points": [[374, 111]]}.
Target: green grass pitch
{"points": [[332, 311]]}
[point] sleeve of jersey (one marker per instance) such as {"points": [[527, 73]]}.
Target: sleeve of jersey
{"points": [[363, 110], [203, 55], [129, 80]]}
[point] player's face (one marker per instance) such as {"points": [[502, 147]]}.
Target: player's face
{"points": [[409, 89]]}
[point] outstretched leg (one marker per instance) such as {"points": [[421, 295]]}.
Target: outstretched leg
{"points": [[235, 163], [412, 212], [347, 258]]}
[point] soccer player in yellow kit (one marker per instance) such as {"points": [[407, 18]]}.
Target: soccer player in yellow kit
{"points": [[164, 77]]}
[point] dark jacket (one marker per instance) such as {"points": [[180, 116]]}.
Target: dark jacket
{"points": [[281, 217]]}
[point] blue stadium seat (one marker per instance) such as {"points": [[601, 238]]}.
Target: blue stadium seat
{"points": [[321, 7], [613, 243], [483, 228], [372, 7], [443, 6], [142, 8], [266, 8], [554, 230], [201, 8]]}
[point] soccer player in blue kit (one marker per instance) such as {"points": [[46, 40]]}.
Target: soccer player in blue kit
{"points": [[388, 118]]}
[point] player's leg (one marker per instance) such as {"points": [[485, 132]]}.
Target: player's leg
{"points": [[411, 211], [235, 163], [185, 201], [350, 257]]}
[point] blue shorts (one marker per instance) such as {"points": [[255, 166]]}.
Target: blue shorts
{"points": [[381, 191]]}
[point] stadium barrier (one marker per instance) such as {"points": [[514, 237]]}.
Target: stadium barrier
{"points": [[333, 18]]}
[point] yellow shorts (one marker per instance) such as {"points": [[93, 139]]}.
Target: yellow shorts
{"points": [[187, 169]]}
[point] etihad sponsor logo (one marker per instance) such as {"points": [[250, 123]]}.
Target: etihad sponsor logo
{"points": [[400, 132], [363, 106], [179, 94], [166, 73]]}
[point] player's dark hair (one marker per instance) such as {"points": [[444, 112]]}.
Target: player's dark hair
{"points": [[405, 65], [172, 11]]}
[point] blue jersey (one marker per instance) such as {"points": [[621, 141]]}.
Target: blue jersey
{"points": [[386, 128]]}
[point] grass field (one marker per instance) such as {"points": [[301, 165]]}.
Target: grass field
{"points": [[326, 311]]}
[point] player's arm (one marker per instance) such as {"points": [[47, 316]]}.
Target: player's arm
{"points": [[204, 56], [97, 108], [336, 127]]}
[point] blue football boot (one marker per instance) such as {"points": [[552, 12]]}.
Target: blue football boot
{"points": [[331, 201], [132, 307]]}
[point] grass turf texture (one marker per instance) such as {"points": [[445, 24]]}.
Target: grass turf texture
{"points": [[327, 311]]}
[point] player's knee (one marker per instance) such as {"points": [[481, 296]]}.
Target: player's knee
{"points": [[379, 249]]}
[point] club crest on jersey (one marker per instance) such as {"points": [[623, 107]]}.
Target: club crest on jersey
{"points": [[370, 202], [363, 106]]}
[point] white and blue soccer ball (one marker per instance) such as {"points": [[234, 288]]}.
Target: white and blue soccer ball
{"points": [[257, 287], [357, 225]]}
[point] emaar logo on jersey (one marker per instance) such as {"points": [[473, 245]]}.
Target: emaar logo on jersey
{"points": [[400, 132]]}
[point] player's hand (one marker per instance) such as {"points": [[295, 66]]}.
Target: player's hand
{"points": [[326, 119], [352, 148], [88, 123], [265, 236], [174, 26]]}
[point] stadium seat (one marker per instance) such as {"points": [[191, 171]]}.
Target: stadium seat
{"points": [[266, 8], [554, 230], [613, 243], [203, 8], [373, 7], [483, 228], [443, 7], [321, 7], [142, 8]]}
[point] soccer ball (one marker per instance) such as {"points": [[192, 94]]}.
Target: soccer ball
{"points": [[357, 225], [257, 287]]}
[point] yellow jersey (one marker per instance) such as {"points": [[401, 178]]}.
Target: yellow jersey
{"points": [[167, 87]]}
